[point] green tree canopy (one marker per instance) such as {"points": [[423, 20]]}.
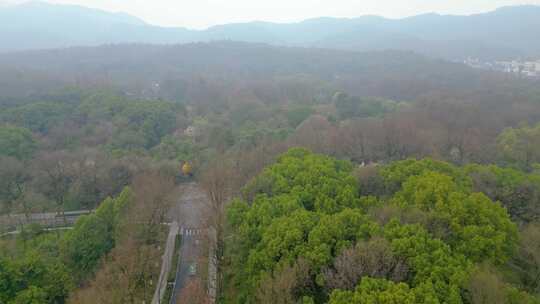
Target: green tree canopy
{"points": [[39, 116], [520, 145], [16, 142], [93, 236], [33, 278], [306, 210], [518, 191]]}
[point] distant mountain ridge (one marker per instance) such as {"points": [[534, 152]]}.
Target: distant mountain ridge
{"points": [[507, 32]]}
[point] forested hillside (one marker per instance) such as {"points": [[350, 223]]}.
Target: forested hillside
{"points": [[332, 176], [191, 71]]}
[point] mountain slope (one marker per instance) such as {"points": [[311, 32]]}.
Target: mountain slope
{"points": [[137, 68], [508, 32], [37, 25]]}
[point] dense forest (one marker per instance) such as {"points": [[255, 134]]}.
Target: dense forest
{"points": [[313, 229], [218, 71], [333, 177]]}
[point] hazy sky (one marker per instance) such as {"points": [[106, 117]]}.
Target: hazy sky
{"points": [[204, 13]]}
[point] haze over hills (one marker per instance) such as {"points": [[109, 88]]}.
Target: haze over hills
{"points": [[329, 161], [37, 25], [165, 71], [508, 32]]}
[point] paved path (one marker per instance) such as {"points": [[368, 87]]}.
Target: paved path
{"points": [[166, 263], [45, 229], [189, 212], [46, 220], [190, 252], [189, 209], [212, 266]]}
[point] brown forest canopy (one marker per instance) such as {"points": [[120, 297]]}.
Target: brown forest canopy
{"points": [[177, 71]]}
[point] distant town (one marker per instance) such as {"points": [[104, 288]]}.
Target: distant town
{"points": [[518, 67]]}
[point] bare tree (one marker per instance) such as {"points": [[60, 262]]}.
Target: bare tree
{"points": [[486, 287], [315, 133], [14, 178], [131, 269], [152, 202], [249, 163], [55, 176], [527, 259], [401, 137], [217, 181], [286, 284], [373, 258], [355, 140], [124, 278]]}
